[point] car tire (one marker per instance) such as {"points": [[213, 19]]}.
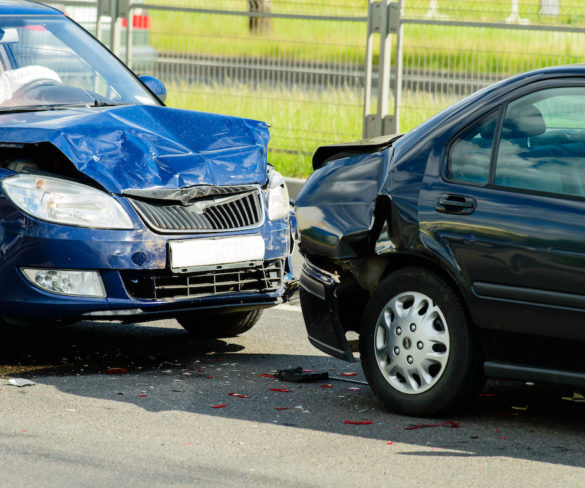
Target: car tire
{"points": [[219, 325], [417, 347]]}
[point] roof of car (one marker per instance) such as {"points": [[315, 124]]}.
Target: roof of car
{"points": [[24, 7]]}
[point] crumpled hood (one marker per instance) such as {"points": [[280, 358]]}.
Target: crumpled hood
{"points": [[147, 147]]}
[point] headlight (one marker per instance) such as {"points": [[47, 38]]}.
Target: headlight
{"points": [[65, 202], [277, 196]]}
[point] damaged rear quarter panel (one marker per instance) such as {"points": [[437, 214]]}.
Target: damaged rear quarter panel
{"points": [[335, 209]]}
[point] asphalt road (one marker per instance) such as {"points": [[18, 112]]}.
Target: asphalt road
{"points": [[156, 424]]}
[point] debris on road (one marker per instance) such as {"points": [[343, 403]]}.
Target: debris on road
{"points": [[20, 382], [282, 390], [300, 375], [448, 423], [116, 370], [219, 405], [237, 395], [357, 422]]}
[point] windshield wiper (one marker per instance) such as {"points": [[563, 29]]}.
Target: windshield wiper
{"points": [[36, 108], [103, 103]]}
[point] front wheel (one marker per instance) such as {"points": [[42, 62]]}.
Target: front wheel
{"points": [[417, 348], [219, 325]]}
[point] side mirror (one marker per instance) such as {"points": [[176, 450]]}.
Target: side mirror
{"points": [[155, 86]]}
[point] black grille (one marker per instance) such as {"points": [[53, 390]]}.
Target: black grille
{"points": [[146, 285], [225, 212]]}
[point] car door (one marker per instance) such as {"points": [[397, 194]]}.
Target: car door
{"points": [[509, 211]]}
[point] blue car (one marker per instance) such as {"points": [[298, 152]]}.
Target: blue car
{"points": [[115, 207], [455, 251]]}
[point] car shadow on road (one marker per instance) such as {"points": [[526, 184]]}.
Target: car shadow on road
{"points": [[161, 369]]}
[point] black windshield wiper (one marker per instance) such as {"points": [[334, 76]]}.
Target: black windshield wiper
{"points": [[103, 103], [36, 108]]}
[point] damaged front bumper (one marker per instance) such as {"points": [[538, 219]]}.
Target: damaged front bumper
{"points": [[321, 313]]}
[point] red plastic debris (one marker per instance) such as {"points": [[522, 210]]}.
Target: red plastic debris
{"points": [[389, 443], [348, 374], [282, 390], [143, 395], [327, 386], [308, 370], [237, 395], [448, 423], [357, 422], [282, 408], [267, 376], [218, 360], [116, 371], [502, 437], [354, 388], [219, 405]]}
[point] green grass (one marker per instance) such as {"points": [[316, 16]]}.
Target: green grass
{"points": [[426, 47], [302, 120]]}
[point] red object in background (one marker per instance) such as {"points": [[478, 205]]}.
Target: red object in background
{"points": [[357, 422], [282, 390], [348, 374], [267, 376], [237, 395], [138, 22], [219, 405]]}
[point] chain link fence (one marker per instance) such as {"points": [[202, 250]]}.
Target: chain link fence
{"points": [[301, 64]]}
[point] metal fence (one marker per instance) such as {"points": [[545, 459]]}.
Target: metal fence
{"points": [[323, 71]]}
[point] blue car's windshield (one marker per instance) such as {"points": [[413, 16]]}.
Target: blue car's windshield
{"points": [[50, 61]]}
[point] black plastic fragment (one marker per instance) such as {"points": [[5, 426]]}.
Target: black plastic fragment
{"points": [[300, 376]]}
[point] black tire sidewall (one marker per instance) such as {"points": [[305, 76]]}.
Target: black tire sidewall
{"points": [[460, 375]]}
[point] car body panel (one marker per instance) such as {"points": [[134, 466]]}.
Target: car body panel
{"points": [[147, 147]]}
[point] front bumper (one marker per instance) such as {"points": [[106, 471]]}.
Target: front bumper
{"points": [[321, 313], [120, 257]]}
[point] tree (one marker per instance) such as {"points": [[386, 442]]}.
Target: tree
{"points": [[259, 25]]}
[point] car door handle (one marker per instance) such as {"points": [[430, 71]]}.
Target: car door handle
{"points": [[455, 204]]}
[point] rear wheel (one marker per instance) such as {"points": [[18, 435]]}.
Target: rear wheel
{"points": [[219, 325], [417, 348]]}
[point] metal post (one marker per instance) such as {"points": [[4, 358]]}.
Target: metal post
{"points": [[395, 124], [383, 19]]}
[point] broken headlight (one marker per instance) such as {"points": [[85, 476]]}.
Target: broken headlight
{"points": [[277, 196], [65, 202]]}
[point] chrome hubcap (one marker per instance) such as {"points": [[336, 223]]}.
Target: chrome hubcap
{"points": [[412, 342]]}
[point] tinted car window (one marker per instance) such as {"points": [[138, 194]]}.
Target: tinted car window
{"points": [[469, 156], [542, 145]]}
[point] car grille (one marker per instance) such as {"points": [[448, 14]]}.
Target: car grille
{"points": [[212, 213], [146, 285]]}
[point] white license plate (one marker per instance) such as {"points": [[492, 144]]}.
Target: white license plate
{"points": [[217, 251]]}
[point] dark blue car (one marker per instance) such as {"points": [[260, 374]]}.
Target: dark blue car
{"points": [[113, 206], [456, 251]]}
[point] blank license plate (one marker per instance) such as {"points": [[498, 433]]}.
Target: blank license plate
{"points": [[210, 252]]}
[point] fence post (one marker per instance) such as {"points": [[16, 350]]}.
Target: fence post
{"points": [[383, 19], [118, 10]]}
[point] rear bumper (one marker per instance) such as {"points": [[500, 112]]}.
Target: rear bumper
{"points": [[321, 314]]}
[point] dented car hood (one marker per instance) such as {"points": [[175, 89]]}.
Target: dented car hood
{"points": [[143, 149]]}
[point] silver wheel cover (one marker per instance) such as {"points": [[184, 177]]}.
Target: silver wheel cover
{"points": [[412, 342]]}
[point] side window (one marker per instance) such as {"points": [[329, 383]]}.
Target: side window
{"points": [[470, 153], [542, 145]]}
